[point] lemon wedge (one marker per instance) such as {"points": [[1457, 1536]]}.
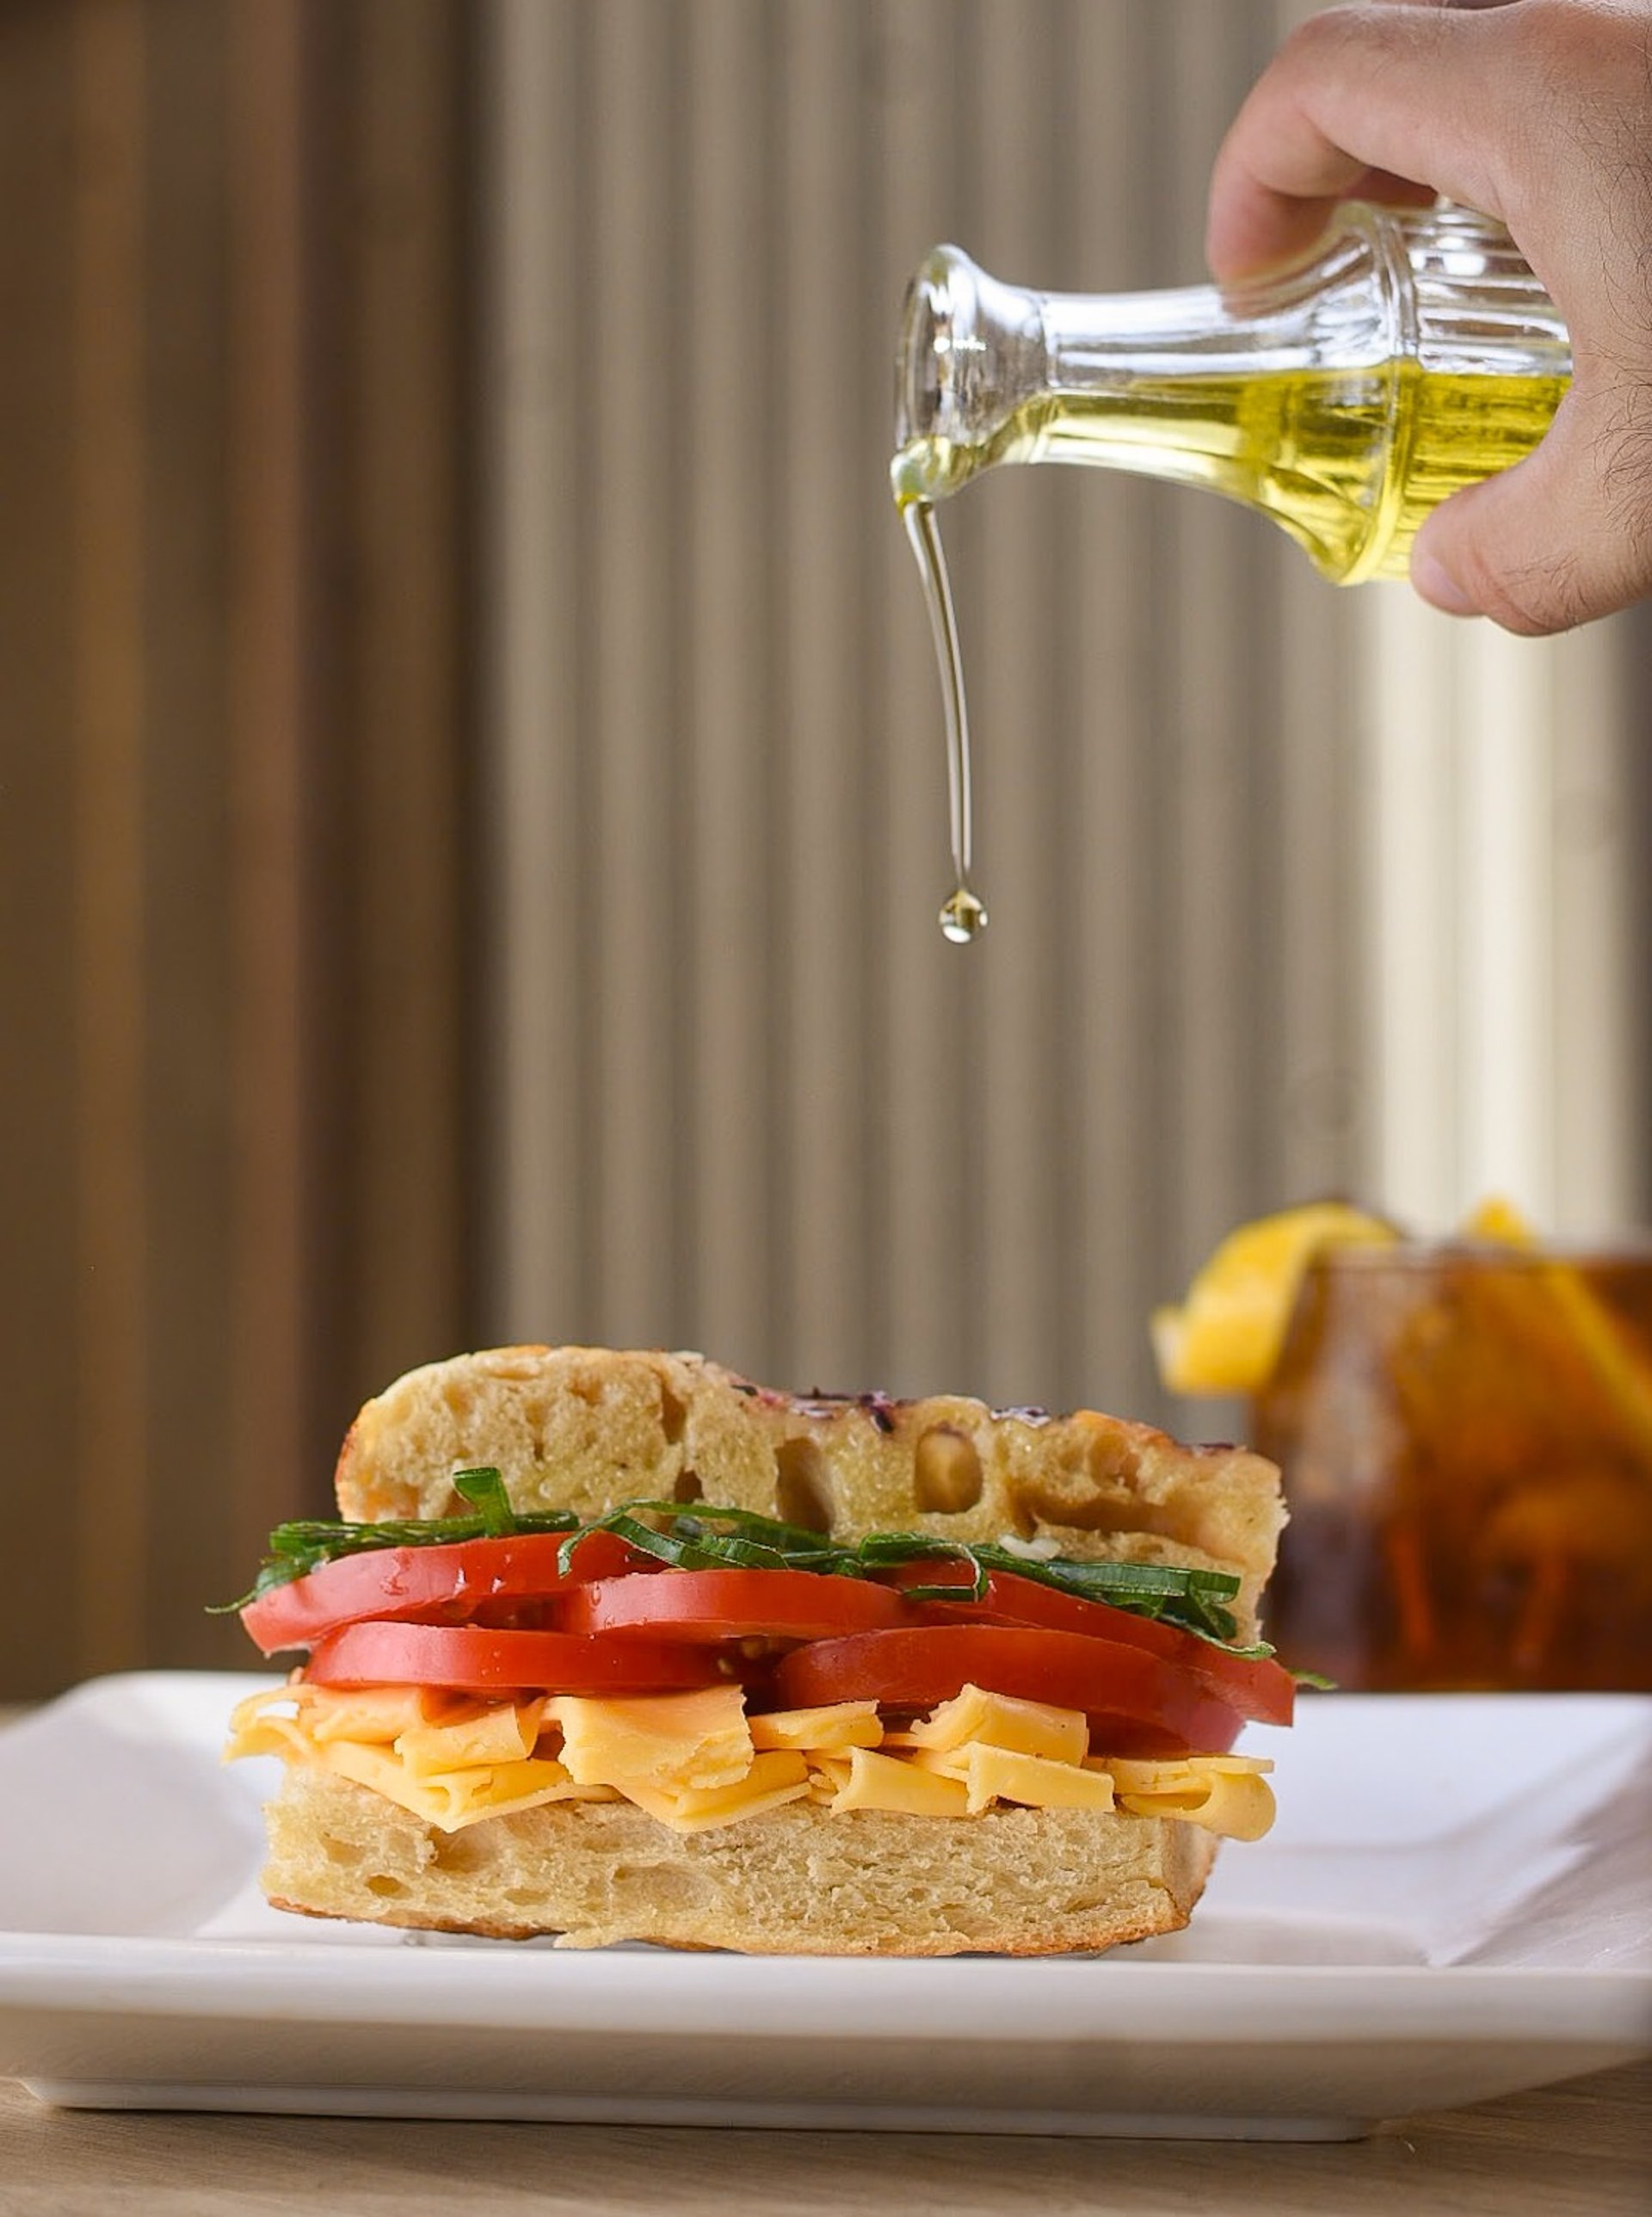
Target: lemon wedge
{"points": [[1499, 1222], [1226, 1335], [1557, 1300]]}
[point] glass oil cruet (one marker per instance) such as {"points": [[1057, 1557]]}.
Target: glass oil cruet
{"points": [[1345, 398]]}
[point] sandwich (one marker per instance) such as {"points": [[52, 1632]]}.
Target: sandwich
{"points": [[621, 1646]]}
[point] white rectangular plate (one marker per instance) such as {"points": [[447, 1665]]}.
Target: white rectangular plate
{"points": [[1455, 1904]]}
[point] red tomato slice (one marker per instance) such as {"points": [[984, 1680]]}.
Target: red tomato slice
{"points": [[475, 1662], [1126, 1693], [392, 1583], [735, 1604], [1256, 1685]]}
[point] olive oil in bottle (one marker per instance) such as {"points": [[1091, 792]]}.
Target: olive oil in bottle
{"points": [[1344, 399], [1297, 444]]}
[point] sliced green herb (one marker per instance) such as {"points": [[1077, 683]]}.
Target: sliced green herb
{"points": [[484, 1488], [1190, 1600], [304, 1545]]}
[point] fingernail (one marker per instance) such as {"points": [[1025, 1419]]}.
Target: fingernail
{"points": [[1438, 586]]}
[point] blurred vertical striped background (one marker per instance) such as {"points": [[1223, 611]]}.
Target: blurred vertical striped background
{"points": [[238, 746], [744, 1089]]}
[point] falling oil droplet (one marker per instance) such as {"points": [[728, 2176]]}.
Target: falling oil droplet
{"points": [[964, 917]]}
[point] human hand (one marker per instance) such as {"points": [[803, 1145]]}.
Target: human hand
{"points": [[1537, 112]]}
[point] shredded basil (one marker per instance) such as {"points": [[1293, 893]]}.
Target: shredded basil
{"points": [[298, 1548], [704, 1537], [484, 1488]]}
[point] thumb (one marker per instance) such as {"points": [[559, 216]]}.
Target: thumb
{"points": [[1562, 537]]}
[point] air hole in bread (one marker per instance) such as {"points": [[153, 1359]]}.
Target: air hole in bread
{"points": [[460, 1399], [674, 1417], [688, 1488], [341, 1851], [462, 1852], [386, 1888], [946, 1477], [802, 1486], [660, 1886], [1114, 1462]]}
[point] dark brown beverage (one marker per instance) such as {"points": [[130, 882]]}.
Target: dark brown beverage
{"points": [[1466, 1438]]}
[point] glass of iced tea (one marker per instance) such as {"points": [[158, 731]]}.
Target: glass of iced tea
{"points": [[1466, 1437]]}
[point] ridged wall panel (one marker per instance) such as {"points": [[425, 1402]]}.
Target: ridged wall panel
{"points": [[741, 1094]]}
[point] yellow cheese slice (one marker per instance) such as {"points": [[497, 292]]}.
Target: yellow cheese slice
{"points": [[504, 1732], [999, 1774], [1236, 1802], [842, 1725], [1174, 1774], [998, 1720], [256, 1729], [672, 1743], [778, 1775], [884, 1782], [370, 1713], [456, 1797]]}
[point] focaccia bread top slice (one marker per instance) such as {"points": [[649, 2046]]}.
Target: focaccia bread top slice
{"points": [[585, 1428]]}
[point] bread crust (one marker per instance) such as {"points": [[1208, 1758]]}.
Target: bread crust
{"points": [[795, 1880], [582, 1429]]}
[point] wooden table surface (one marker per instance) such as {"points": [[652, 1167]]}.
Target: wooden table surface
{"points": [[1583, 2149], [1579, 2150]]}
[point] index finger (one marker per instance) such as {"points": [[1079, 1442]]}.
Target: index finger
{"points": [[1359, 99]]}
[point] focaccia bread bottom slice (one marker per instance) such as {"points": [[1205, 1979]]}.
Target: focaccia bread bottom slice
{"points": [[793, 1880]]}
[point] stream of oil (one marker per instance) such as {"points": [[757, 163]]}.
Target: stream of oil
{"points": [[963, 914]]}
